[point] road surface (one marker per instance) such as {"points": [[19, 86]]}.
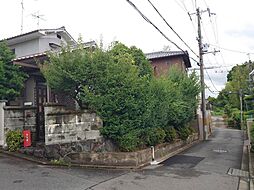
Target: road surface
{"points": [[202, 167]]}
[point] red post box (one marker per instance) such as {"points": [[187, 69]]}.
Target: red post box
{"points": [[27, 138]]}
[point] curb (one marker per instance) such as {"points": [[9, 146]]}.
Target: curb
{"points": [[178, 151], [246, 184], [48, 163]]}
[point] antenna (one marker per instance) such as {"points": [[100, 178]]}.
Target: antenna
{"points": [[22, 15], [38, 17]]}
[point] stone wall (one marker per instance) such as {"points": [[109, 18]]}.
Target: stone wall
{"points": [[20, 118], [130, 159], [65, 126]]}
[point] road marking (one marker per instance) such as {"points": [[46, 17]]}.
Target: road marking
{"points": [[237, 172], [220, 150]]}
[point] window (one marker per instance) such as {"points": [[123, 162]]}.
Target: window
{"points": [[13, 50], [58, 36]]}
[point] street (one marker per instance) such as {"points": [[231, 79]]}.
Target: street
{"points": [[202, 167]]}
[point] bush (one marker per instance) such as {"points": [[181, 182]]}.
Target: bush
{"points": [[119, 86], [153, 136], [234, 119], [184, 132], [14, 140], [170, 134], [129, 142]]}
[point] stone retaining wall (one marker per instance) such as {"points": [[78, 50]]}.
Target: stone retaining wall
{"points": [[129, 159]]}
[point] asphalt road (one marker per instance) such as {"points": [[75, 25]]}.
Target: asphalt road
{"points": [[202, 167]]}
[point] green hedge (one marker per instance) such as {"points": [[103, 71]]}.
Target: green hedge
{"points": [[137, 109]]}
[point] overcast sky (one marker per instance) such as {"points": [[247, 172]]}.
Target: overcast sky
{"points": [[232, 27]]}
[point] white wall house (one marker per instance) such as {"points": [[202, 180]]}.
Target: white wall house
{"points": [[39, 41]]}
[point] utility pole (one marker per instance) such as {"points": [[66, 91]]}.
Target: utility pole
{"points": [[241, 107], [201, 64]]}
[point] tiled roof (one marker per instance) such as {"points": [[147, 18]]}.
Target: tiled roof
{"points": [[34, 31], [161, 54], [30, 56]]}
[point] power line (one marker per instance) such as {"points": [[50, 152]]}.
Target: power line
{"points": [[171, 27], [186, 10], [213, 92], [236, 51], [211, 80], [164, 35]]}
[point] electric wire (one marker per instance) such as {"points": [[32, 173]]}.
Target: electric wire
{"points": [[164, 35], [171, 27], [231, 50], [211, 80]]}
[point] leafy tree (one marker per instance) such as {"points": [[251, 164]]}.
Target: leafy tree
{"points": [[136, 108], [11, 77], [137, 56], [187, 89], [229, 98]]}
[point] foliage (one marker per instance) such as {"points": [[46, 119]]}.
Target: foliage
{"points": [[11, 77], [59, 162], [185, 103], [120, 51], [234, 118], [184, 132], [14, 140], [129, 142], [171, 134], [229, 98], [118, 84], [153, 136]]}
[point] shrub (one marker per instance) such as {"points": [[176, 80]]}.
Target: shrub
{"points": [[184, 132], [119, 86], [170, 134], [153, 136], [129, 142], [192, 130], [14, 140], [234, 119]]}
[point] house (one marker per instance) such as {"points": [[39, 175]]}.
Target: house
{"points": [[27, 111], [39, 41], [162, 61]]}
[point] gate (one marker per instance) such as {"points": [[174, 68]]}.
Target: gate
{"points": [[41, 98]]}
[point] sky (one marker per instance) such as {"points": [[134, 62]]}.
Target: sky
{"points": [[230, 30]]}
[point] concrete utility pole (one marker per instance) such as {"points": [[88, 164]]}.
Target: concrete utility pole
{"points": [[241, 107], [201, 64]]}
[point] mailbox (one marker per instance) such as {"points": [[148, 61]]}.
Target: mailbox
{"points": [[27, 138]]}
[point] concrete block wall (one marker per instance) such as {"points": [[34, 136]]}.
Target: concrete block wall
{"points": [[20, 118], [64, 126]]}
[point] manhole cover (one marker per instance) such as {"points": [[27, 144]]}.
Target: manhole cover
{"points": [[237, 172], [220, 150]]}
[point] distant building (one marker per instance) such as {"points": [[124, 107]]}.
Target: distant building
{"points": [[162, 61]]}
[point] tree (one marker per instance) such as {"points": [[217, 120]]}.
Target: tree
{"points": [[11, 77], [228, 99], [137, 56], [118, 84]]}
